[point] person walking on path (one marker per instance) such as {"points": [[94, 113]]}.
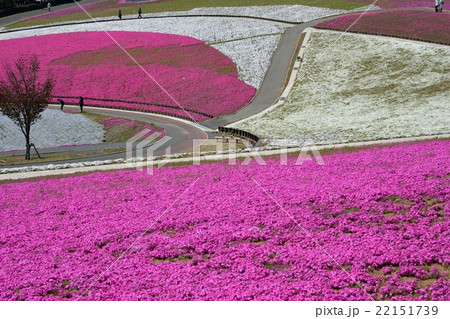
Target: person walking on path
{"points": [[81, 103], [120, 14], [441, 5], [436, 5], [61, 101], [49, 6], [139, 13]]}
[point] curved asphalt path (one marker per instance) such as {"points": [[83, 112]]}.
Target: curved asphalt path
{"points": [[276, 76], [183, 133], [180, 132], [275, 79]]}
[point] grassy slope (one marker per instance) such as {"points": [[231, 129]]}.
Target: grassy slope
{"points": [[111, 8], [371, 89], [55, 156], [118, 134]]}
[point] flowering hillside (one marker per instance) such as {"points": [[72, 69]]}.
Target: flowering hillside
{"points": [[421, 25], [401, 3], [109, 8], [294, 13], [92, 65], [361, 88], [380, 214], [249, 43]]}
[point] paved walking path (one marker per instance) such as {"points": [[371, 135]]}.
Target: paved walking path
{"points": [[269, 93], [181, 133], [275, 78]]}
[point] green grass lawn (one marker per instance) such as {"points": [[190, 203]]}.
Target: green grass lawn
{"points": [[111, 7], [55, 156]]}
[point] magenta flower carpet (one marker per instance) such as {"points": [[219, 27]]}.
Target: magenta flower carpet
{"points": [[89, 8], [420, 25], [401, 3], [91, 64], [134, 128], [372, 224]]}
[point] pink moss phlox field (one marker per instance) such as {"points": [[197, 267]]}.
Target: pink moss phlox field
{"points": [[90, 8], [126, 125], [91, 65], [109, 5], [423, 25], [402, 3], [382, 214], [111, 122]]}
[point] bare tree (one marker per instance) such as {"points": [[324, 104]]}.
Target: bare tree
{"points": [[23, 96]]}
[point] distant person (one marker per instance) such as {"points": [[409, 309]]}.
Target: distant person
{"points": [[139, 13], [41, 2], [49, 6], [61, 101], [441, 5], [437, 3], [81, 104], [120, 14]]}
